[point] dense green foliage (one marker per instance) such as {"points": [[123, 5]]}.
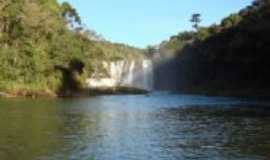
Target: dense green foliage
{"points": [[38, 35], [233, 55]]}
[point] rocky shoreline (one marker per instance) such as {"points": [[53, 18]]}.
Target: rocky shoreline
{"points": [[116, 91], [5, 95], [80, 93]]}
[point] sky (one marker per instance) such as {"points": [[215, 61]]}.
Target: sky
{"points": [[141, 23]]}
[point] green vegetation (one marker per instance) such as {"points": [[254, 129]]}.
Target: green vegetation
{"points": [[39, 36], [230, 57]]}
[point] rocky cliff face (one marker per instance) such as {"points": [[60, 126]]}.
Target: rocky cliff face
{"points": [[134, 74]]}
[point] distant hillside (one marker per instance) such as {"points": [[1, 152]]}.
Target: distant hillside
{"points": [[42, 41], [232, 57]]}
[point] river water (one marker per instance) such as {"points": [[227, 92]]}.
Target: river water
{"points": [[159, 126]]}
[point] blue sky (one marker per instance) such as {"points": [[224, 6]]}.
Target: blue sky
{"points": [[148, 22]]}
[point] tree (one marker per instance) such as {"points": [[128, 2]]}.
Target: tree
{"points": [[195, 19], [151, 51], [37, 35], [70, 14], [232, 20], [236, 50]]}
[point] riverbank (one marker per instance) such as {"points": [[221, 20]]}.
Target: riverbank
{"points": [[28, 94], [207, 91], [117, 91], [80, 93], [5, 95]]}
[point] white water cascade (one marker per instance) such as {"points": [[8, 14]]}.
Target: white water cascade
{"points": [[135, 74]]}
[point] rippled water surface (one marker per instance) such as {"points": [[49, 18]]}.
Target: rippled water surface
{"points": [[158, 126]]}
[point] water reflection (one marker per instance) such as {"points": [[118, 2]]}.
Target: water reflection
{"points": [[159, 126]]}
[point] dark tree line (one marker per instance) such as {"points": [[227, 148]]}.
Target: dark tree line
{"points": [[230, 57]]}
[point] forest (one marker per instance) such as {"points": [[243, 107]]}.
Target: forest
{"points": [[52, 52], [227, 58], [44, 47]]}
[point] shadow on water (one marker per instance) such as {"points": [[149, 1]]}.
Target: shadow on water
{"points": [[235, 132], [240, 111]]}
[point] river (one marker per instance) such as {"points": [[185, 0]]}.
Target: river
{"points": [[158, 126]]}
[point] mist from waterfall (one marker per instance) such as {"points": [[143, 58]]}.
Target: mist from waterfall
{"points": [[167, 74]]}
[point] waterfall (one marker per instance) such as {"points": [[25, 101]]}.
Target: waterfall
{"points": [[128, 78], [148, 75], [134, 74]]}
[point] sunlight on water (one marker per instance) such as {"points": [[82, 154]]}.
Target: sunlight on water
{"points": [[157, 126]]}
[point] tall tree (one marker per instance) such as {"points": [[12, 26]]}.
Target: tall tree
{"points": [[195, 19], [70, 14]]}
